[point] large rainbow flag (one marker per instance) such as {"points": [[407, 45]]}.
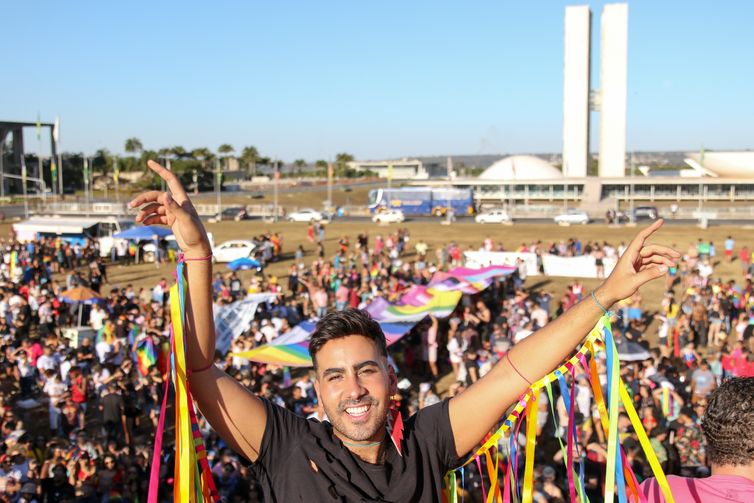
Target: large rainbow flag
{"points": [[468, 280], [295, 354], [439, 303], [292, 348]]}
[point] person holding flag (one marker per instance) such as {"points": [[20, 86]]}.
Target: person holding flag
{"points": [[365, 452]]}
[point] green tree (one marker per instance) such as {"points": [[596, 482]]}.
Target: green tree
{"points": [[203, 154], [179, 152], [299, 164], [341, 164], [102, 161], [225, 150], [250, 158], [321, 167], [134, 146]]}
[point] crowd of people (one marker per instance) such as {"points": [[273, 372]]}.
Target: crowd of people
{"points": [[79, 413]]}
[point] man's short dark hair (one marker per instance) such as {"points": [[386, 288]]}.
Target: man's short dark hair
{"points": [[339, 324], [728, 423]]}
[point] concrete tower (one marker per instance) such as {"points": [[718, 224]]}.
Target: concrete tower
{"points": [[613, 90], [609, 100], [576, 75]]}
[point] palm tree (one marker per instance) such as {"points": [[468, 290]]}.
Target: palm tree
{"points": [[299, 164], [134, 146], [225, 149], [321, 167], [250, 157], [179, 152], [341, 163], [203, 154]]}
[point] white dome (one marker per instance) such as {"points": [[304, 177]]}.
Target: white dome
{"points": [[726, 164], [521, 167]]}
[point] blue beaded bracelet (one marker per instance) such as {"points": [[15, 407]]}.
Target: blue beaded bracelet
{"points": [[604, 310]]}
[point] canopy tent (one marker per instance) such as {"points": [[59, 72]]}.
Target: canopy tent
{"points": [[144, 233]]}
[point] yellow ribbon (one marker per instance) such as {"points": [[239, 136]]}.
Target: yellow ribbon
{"points": [[531, 442], [183, 488], [654, 463]]}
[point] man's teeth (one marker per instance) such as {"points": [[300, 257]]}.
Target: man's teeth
{"points": [[357, 411]]}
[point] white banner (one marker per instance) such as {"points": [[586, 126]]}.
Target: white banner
{"points": [[583, 266], [477, 259], [234, 319]]}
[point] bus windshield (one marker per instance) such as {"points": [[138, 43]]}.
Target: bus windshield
{"points": [[375, 196]]}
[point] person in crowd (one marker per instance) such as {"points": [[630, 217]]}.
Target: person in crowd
{"points": [[729, 438]]}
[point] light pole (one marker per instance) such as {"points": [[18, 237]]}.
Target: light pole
{"points": [[218, 189], [275, 192], [86, 184]]}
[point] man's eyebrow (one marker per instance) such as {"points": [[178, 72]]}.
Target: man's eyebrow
{"points": [[367, 363], [357, 367], [334, 370]]}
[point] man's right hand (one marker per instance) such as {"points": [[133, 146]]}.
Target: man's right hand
{"points": [[173, 209]]}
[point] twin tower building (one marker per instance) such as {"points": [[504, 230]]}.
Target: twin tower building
{"points": [[609, 100]]}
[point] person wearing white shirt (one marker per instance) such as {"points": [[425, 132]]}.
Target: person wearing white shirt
{"points": [[55, 389], [103, 350], [47, 361], [97, 317]]}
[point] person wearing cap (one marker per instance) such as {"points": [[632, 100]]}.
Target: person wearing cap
{"points": [[728, 427], [355, 456]]}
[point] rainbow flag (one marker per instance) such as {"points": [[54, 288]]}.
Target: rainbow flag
{"points": [[291, 355], [467, 280], [439, 303], [106, 333], [145, 355]]}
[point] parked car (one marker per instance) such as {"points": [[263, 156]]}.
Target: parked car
{"points": [[236, 213], [233, 249], [646, 213], [306, 215], [389, 217], [493, 217], [573, 216]]}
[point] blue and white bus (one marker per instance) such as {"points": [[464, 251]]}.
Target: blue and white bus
{"points": [[423, 200]]}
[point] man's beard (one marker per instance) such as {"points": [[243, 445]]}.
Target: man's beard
{"points": [[342, 423]]}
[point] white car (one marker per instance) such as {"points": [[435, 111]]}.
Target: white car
{"points": [[306, 215], [573, 216], [493, 217], [389, 217], [232, 250]]}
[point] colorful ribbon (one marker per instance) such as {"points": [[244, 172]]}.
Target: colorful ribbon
{"points": [[192, 477], [620, 479]]}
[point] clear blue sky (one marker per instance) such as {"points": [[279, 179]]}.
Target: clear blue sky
{"points": [[376, 79]]}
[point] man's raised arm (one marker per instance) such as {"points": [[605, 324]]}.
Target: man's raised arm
{"points": [[474, 412], [234, 412]]}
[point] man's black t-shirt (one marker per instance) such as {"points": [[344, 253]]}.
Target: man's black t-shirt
{"points": [[302, 460]]}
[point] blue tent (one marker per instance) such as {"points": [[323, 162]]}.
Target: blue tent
{"points": [[144, 233]]}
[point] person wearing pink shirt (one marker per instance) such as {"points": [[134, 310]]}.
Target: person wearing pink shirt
{"points": [[728, 426]]}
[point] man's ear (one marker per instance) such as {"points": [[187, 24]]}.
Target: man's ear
{"points": [[316, 389], [393, 380]]}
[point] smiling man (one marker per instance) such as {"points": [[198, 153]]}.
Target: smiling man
{"points": [[352, 458]]}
